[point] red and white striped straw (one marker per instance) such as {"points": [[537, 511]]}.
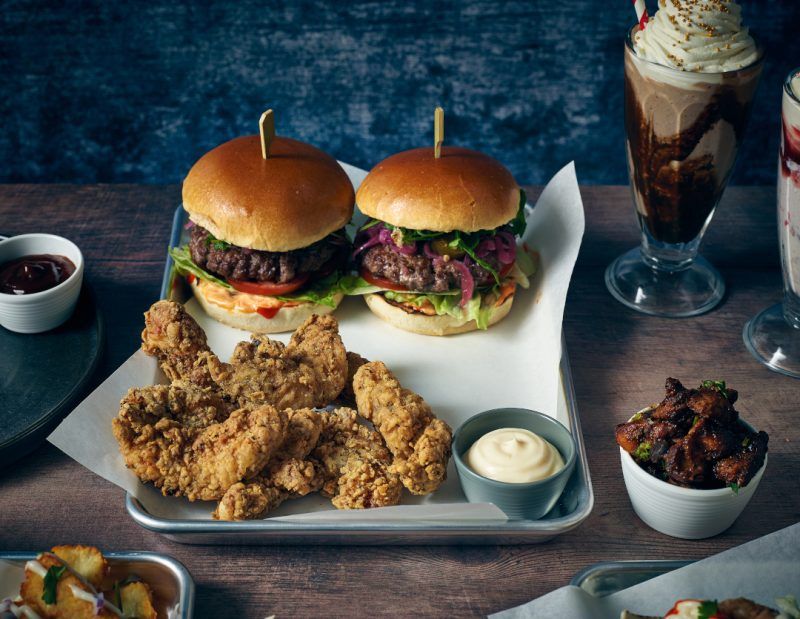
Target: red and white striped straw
{"points": [[641, 13]]}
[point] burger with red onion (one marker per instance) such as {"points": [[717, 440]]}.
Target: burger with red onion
{"points": [[439, 253], [267, 246]]}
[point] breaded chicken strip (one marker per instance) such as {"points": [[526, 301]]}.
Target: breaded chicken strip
{"points": [[354, 361], [308, 372], [182, 439], [355, 464], [174, 338], [289, 473], [419, 442]]}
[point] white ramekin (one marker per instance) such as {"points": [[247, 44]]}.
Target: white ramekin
{"points": [[45, 310], [687, 513]]}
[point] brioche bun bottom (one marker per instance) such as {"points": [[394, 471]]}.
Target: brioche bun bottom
{"points": [[287, 318], [429, 325]]}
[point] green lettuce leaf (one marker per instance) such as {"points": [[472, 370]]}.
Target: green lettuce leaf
{"points": [[184, 265], [322, 292], [448, 305]]}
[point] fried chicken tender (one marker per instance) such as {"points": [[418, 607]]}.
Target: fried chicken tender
{"points": [[288, 475], [174, 338], [186, 441], [354, 361], [308, 372], [419, 442], [356, 466]]}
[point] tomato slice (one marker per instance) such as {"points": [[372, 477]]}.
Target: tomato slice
{"points": [[506, 270], [269, 289], [380, 281], [269, 312]]}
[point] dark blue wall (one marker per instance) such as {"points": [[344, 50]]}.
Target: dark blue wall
{"points": [[114, 91]]}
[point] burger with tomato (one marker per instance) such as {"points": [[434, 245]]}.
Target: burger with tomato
{"points": [[439, 253], [267, 245]]}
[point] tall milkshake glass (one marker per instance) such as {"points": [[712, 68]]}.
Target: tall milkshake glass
{"points": [[684, 125], [773, 336]]}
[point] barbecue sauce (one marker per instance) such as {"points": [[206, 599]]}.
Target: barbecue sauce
{"points": [[34, 273]]}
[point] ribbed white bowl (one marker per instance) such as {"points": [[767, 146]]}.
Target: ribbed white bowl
{"points": [[684, 512], [45, 310]]}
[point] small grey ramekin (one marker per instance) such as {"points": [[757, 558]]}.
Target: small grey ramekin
{"points": [[528, 501]]}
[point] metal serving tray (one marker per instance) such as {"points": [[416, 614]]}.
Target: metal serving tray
{"points": [[169, 579], [572, 509], [602, 579]]}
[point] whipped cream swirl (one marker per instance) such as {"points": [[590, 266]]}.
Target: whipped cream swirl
{"points": [[700, 36]]}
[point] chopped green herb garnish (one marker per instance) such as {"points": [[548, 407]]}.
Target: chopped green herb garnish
{"points": [[51, 583], [695, 420], [637, 417], [642, 452], [719, 385], [216, 243], [734, 486], [707, 609], [745, 441]]}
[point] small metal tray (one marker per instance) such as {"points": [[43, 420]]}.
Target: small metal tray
{"points": [[573, 507], [170, 581], [607, 577]]}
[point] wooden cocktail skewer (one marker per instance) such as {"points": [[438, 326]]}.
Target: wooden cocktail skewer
{"points": [[438, 132], [266, 127]]}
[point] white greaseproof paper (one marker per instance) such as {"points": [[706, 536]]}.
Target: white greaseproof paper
{"points": [[515, 363]]}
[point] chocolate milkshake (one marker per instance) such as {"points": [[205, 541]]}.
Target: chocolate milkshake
{"points": [[691, 73], [789, 195], [690, 77]]}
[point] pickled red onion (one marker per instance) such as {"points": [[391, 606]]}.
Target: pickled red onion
{"points": [[467, 281]]}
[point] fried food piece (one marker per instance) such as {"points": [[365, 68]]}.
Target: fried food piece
{"points": [[162, 441], [694, 438], [309, 372], [742, 608], [354, 361], [174, 338], [741, 467], [355, 464], [419, 442], [86, 561], [288, 475], [249, 501], [137, 601]]}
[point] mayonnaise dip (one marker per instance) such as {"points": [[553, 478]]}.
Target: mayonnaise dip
{"points": [[514, 455]]}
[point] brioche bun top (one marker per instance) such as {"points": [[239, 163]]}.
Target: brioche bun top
{"points": [[462, 190], [297, 196]]}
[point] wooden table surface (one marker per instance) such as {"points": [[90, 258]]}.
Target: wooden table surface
{"points": [[619, 358]]}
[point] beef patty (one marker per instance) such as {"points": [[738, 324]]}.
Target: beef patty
{"points": [[419, 273], [241, 263]]}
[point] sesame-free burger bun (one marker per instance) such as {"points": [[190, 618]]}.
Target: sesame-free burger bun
{"points": [[297, 196], [288, 318], [462, 190], [429, 325]]}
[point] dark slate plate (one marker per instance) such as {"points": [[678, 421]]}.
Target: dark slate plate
{"points": [[41, 375]]}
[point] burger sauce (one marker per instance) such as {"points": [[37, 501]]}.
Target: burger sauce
{"points": [[34, 273]]}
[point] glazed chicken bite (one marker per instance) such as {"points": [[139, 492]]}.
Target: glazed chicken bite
{"points": [[694, 438]]}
